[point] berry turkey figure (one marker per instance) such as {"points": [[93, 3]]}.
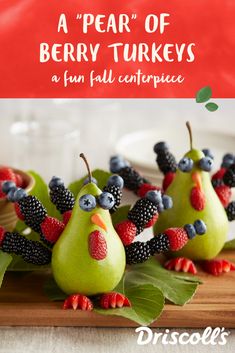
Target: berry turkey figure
{"points": [[88, 254], [194, 196]]}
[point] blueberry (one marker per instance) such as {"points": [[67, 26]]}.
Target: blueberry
{"points": [[207, 153], [106, 200], [87, 202], [7, 186], [160, 207], [190, 230], [116, 180], [160, 147], [55, 181], [206, 164], [185, 164], [200, 227], [19, 194], [154, 196], [87, 181], [11, 194], [167, 202], [117, 163], [228, 160]]}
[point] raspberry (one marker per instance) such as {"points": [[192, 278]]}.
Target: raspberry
{"points": [[33, 212], [2, 234], [31, 251], [141, 213], [132, 179], [19, 180], [52, 228], [230, 210], [229, 177], [181, 264], [152, 221], [224, 193], [78, 301], [126, 231], [160, 243], [166, 162], [219, 174], [144, 188], [7, 174], [114, 300], [137, 252], [66, 217], [117, 194], [97, 245], [177, 238], [18, 211], [197, 198], [62, 198], [168, 179], [217, 267]]}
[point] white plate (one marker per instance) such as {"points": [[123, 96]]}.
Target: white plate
{"points": [[137, 147]]}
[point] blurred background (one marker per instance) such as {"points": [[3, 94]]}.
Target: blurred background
{"points": [[48, 135]]}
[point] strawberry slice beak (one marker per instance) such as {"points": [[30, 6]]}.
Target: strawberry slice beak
{"points": [[196, 177], [98, 221]]}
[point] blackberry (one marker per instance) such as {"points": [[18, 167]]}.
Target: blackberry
{"points": [[229, 177], [230, 210], [117, 194], [31, 251], [217, 182], [62, 198], [45, 241], [132, 179], [166, 162], [33, 211], [159, 244], [141, 213], [137, 252]]}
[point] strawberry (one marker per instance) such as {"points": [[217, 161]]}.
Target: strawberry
{"points": [[78, 301], [19, 180], [169, 177], [217, 267], [114, 300], [66, 216], [197, 198], [144, 188], [7, 174], [2, 194], [18, 212], [97, 245], [152, 221], [224, 193], [177, 238], [2, 234], [219, 174], [127, 231], [52, 229], [181, 264]]}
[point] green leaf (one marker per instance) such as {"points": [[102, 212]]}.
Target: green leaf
{"points": [[229, 245], [121, 214], [52, 291], [179, 289], [212, 107], [5, 260], [100, 175], [204, 94]]}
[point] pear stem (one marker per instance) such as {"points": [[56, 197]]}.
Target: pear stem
{"points": [[190, 134], [87, 165]]}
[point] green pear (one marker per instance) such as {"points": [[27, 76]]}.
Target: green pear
{"points": [[210, 244], [74, 270]]}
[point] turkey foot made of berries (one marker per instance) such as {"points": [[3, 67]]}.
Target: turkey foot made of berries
{"points": [[181, 264], [217, 267], [78, 301], [114, 300]]}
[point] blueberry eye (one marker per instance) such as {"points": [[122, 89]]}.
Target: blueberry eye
{"points": [[87, 202], [106, 200], [185, 164], [206, 164]]}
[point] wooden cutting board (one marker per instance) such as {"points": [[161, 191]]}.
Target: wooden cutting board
{"points": [[22, 302]]}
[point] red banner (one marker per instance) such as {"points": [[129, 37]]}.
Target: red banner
{"points": [[114, 49]]}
